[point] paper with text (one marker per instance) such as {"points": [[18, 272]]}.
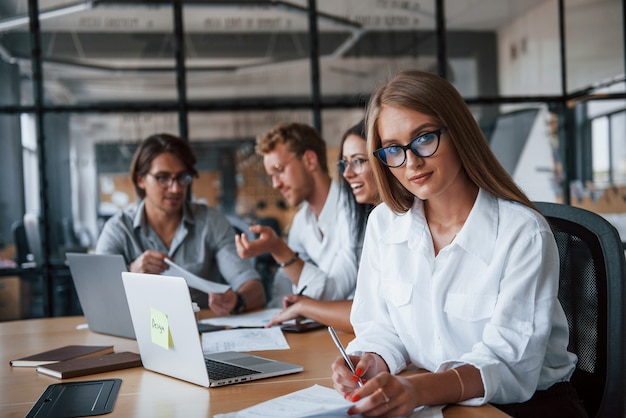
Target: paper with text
{"points": [[244, 339], [314, 402], [194, 281], [251, 319]]}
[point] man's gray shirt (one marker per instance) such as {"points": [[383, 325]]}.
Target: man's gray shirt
{"points": [[204, 244]]}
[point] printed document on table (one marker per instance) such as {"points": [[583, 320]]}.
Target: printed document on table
{"points": [[314, 402], [256, 319], [194, 281], [244, 339]]}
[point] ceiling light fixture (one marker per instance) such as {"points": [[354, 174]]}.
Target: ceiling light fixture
{"points": [[22, 20]]}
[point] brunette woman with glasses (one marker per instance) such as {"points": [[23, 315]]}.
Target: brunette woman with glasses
{"points": [[459, 273]]}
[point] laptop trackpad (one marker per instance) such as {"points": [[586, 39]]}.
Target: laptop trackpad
{"points": [[249, 361]]}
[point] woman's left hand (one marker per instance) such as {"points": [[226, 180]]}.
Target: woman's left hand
{"points": [[385, 395]]}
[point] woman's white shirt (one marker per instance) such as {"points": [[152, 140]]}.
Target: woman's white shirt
{"points": [[488, 299]]}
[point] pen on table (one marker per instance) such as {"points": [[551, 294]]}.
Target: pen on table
{"points": [[344, 354]]}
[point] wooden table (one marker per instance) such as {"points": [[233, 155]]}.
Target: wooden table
{"points": [[148, 394]]}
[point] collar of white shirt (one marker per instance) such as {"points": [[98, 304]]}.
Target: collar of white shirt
{"points": [[478, 235]]}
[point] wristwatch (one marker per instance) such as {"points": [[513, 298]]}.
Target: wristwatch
{"points": [[240, 305]]}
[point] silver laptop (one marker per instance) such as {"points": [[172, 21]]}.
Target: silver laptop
{"points": [[98, 282], [168, 340]]}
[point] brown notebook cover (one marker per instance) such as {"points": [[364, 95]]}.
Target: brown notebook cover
{"points": [[91, 365], [60, 354]]}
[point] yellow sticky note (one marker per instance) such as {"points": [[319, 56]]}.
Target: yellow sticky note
{"points": [[160, 329]]}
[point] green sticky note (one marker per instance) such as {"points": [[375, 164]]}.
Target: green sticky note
{"points": [[160, 329]]}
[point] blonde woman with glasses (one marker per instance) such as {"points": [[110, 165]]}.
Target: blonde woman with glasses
{"points": [[459, 273]]}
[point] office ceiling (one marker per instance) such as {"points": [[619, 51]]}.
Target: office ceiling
{"points": [[116, 51]]}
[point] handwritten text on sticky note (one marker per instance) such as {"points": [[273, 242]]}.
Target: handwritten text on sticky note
{"points": [[160, 329]]}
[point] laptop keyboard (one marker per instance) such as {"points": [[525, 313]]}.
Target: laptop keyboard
{"points": [[218, 370]]}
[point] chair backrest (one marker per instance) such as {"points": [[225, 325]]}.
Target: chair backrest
{"points": [[593, 294], [21, 242]]}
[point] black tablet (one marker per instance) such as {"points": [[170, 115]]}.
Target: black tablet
{"points": [[77, 399]]}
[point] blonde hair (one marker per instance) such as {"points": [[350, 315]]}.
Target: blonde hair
{"points": [[298, 137], [435, 97]]}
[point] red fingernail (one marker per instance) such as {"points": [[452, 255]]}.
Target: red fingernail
{"points": [[355, 378], [359, 371], [350, 412], [356, 398]]}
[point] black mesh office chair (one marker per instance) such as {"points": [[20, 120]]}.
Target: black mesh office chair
{"points": [[21, 242], [593, 294]]}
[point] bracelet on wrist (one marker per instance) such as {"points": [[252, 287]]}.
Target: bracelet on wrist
{"points": [[458, 376], [287, 263]]}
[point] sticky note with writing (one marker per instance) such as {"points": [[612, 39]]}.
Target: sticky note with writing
{"points": [[160, 329]]}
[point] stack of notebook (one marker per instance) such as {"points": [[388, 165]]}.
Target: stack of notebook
{"points": [[79, 360]]}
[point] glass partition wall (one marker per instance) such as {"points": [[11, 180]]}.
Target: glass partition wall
{"points": [[83, 82]]}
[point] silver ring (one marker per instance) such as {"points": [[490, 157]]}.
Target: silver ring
{"points": [[385, 397]]}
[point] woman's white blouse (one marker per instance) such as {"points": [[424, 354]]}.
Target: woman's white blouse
{"points": [[488, 299]]}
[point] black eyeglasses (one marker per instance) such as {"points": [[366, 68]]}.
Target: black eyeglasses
{"points": [[165, 180], [355, 165], [423, 146]]}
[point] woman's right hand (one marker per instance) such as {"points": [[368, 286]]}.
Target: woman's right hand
{"points": [[293, 306], [382, 394], [346, 382]]}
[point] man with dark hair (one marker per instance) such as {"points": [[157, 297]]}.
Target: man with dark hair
{"points": [[165, 225], [316, 261]]}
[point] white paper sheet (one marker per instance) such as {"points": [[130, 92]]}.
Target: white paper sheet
{"points": [[194, 281], [251, 319], [244, 339], [315, 401]]}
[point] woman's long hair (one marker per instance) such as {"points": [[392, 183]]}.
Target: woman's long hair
{"points": [[358, 211], [435, 97]]}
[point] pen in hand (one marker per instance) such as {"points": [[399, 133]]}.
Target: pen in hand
{"points": [[301, 292], [344, 354]]}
